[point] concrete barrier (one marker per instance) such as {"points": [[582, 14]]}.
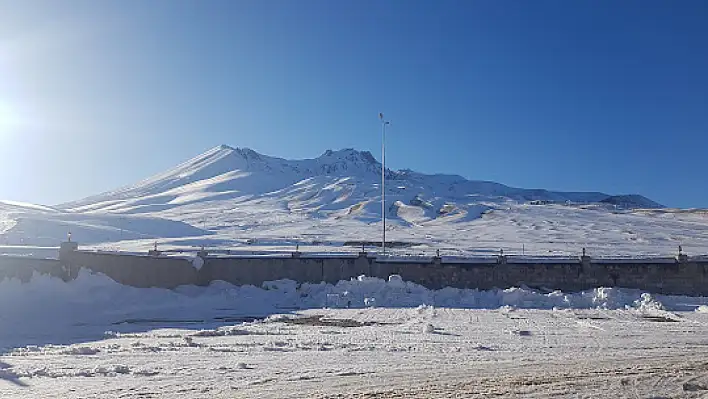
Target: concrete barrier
{"points": [[134, 270], [22, 268], [681, 277]]}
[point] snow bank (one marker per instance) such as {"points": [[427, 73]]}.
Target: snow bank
{"points": [[197, 262], [48, 310]]}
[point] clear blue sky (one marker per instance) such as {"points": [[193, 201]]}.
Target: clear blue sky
{"points": [[569, 95]]}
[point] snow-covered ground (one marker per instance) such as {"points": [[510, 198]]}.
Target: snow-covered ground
{"points": [[95, 338], [266, 226]]}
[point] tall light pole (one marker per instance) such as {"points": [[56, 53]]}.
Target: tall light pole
{"points": [[383, 181]]}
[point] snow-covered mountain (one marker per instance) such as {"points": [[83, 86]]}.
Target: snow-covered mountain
{"points": [[237, 198], [348, 177], [225, 171]]}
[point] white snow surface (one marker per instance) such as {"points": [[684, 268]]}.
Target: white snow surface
{"points": [[93, 337], [35, 226]]}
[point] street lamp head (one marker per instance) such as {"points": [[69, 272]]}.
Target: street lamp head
{"points": [[383, 122]]}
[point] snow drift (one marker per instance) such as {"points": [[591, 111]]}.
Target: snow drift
{"points": [[48, 310]]}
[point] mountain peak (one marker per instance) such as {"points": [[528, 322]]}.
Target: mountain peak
{"points": [[227, 149], [349, 154], [248, 153], [348, 159]]}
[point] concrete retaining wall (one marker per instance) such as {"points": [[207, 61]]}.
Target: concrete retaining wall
{"points": [[134, 270], [685, 277], [22, 268]]}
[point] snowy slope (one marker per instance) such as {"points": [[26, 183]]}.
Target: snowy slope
{"points": [[631, 201], [36, 225], [243, 171]]}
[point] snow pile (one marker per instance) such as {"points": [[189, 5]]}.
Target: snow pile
{"points": [[93, 306], [79, 350], [105, 371], [197, 262], [222, 331], [646, 303]]}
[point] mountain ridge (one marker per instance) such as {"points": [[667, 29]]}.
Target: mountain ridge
{"points": [[244, 171]]}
